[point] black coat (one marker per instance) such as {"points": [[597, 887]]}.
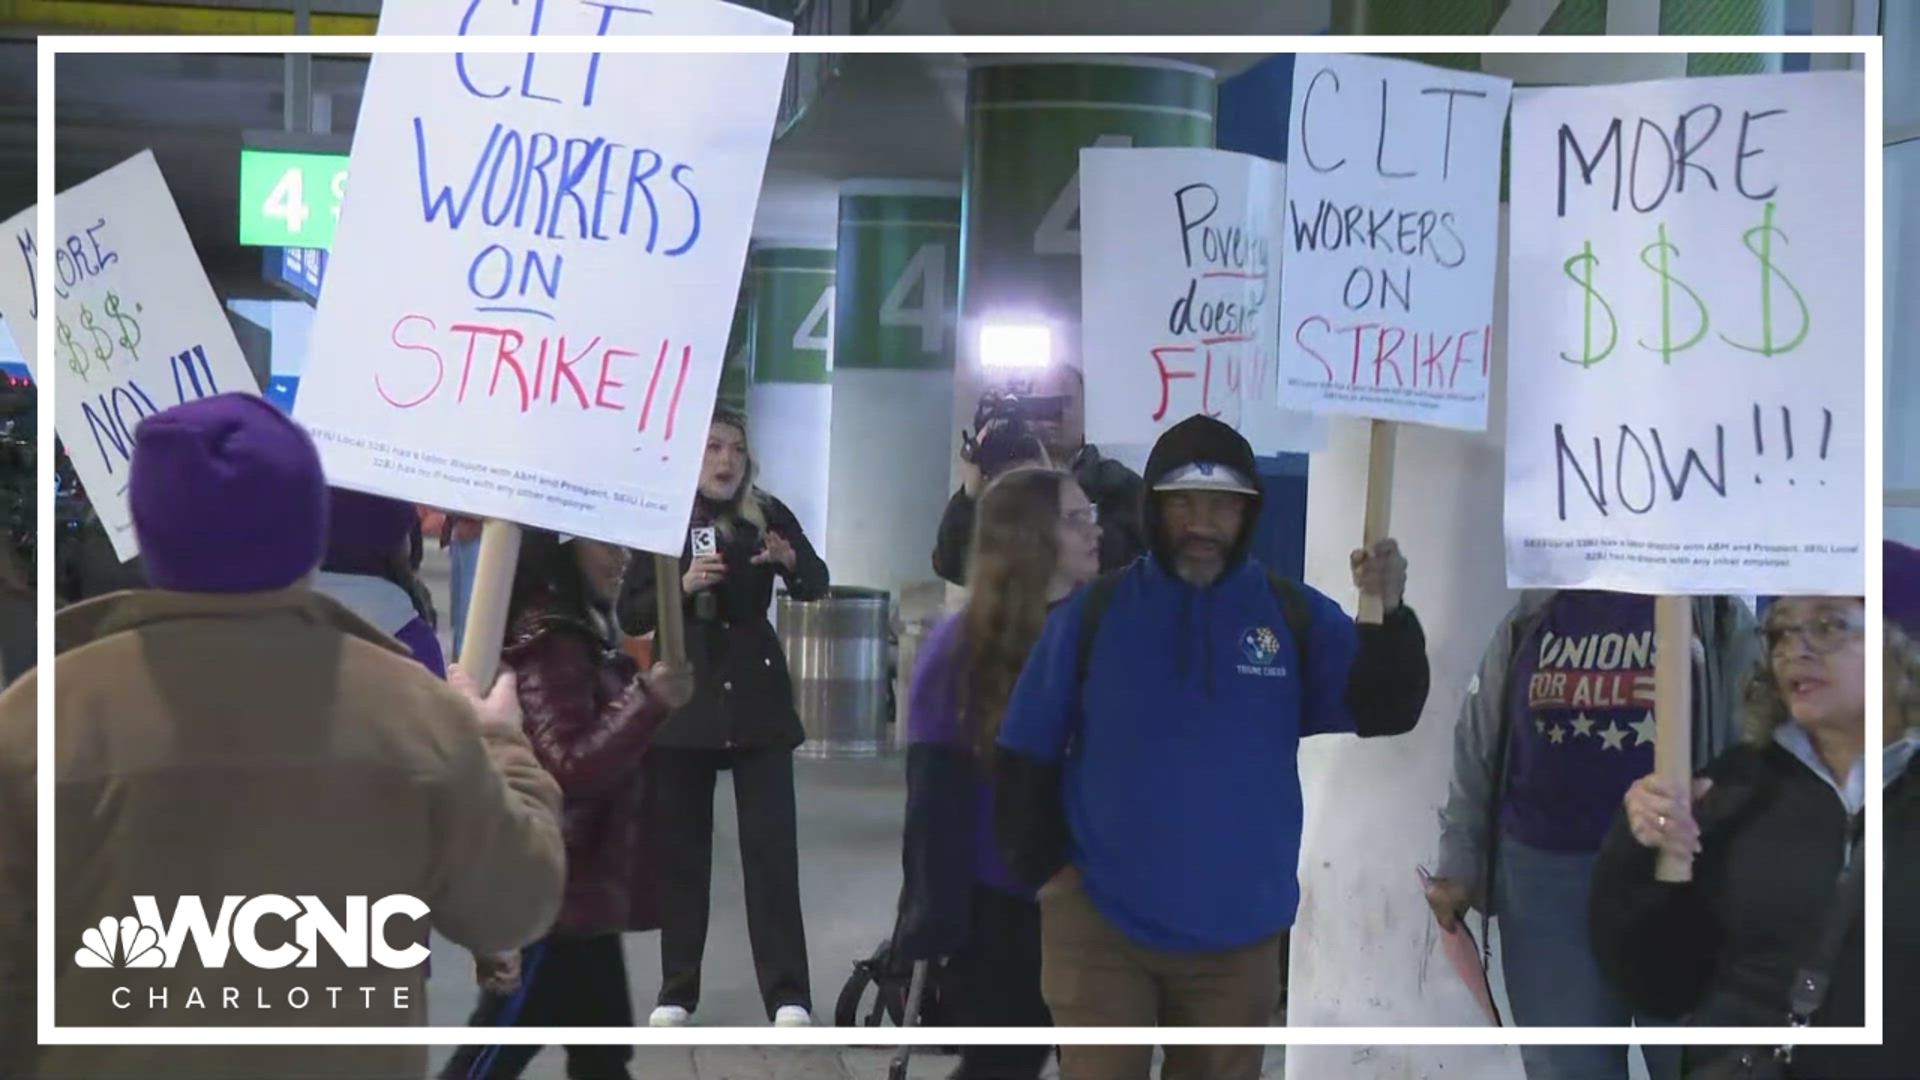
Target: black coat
{"points": [[1114, 491], [743, 695], [1722, 949]]}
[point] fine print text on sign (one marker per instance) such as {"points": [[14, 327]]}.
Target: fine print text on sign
{"points": [[137, 328], [19, 275], [1687, 390], [1393, 204], [1180, 277], [535, 271]]}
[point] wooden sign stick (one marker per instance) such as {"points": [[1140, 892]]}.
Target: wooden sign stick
{"points": [[671, 637], [1673, 716], [1379, 522], [486, 628]]}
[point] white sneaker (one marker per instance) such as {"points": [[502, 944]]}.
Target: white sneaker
{"points": [[670, 1016], [792, 1016]]}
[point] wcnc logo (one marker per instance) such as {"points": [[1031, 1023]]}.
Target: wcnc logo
{"points": [[358, 938]]}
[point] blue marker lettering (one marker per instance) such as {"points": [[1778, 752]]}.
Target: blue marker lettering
{"points": [[601, 196], [487, 212], [111, 421], [638, 179], [693, 234], [460, 59], [526, 80], [606, 20], [30, 251], [542, 148], [506, 273], [431, 204], [572, 173], [549, 281], [198, 376]]}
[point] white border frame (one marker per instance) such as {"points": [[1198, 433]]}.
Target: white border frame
{"points": [[51, 47]]}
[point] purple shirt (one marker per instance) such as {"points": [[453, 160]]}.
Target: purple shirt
{"points": [[933, 716], [1580, 696]]}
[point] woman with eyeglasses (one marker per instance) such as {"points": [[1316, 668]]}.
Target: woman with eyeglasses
{"points": [[1036, 540], [1772, 827]]}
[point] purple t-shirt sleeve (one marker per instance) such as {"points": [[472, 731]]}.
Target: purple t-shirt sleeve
{"points": [[933, 713], [419, 637]]}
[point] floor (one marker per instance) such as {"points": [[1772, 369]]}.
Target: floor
{"points": [[850, 817]]}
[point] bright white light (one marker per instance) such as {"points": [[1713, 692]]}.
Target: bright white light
{"points": [[1008, 347]]}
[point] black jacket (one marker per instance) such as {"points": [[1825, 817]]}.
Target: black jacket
{"points": [[1112, 488], [743, 695], [1722, 950], [1386, 688]]}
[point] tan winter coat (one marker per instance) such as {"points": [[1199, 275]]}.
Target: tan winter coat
{"points": [[244, 745]]}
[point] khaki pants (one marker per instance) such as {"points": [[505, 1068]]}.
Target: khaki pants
{"points": [[1094, 976]]}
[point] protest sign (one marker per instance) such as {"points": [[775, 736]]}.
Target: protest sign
{"points": [[19, 304], [1179, 269], [530, 289], [137, 328], [1393, 200], [1686, 384]]}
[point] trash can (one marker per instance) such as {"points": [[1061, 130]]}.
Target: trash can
{"points": [[837, 652]]}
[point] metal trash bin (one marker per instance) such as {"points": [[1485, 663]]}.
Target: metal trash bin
{"points": [[837, 651]]}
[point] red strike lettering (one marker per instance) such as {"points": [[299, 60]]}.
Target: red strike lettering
{"points": [[1231, 359], [506, 350], [1432, 361]]}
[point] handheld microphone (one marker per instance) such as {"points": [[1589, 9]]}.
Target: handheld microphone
{"points": [[704, 541]]}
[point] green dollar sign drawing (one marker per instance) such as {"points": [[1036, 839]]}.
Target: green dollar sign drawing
{"points": [[102, 341], [129, 329], [1667, 348], [1580, 268], [76, 358], [1759, 240]]}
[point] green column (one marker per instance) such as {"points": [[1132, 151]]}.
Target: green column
{"points": [[734, 375], [791, 321], [1027, 122], [898, 274], [1574, 18]]}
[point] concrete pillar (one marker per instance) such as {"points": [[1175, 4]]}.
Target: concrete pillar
{"points": [[892, 379], [789, 400], [1027, 121], [1365, 949], [738, 368]]}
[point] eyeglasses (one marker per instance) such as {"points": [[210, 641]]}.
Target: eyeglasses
{"points": [[1826, 633], [1083, 519]]}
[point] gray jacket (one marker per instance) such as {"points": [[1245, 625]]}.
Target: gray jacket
{"points": [[1726, 649]]}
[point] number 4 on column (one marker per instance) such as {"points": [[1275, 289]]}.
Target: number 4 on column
{"points": [[1059, 230]]}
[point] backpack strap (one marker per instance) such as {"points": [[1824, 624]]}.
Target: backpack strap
{"points": [[1299, 618], [1094, 608]]}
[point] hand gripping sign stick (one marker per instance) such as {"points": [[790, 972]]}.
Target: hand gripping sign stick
{"points": [[1379, 522], [493, 587], [1673, 716]]}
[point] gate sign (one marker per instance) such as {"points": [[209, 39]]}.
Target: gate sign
{"points": [[19, 304], [1392, 226], [1687, 386], [530, 289], [1180, 285], [137, 328]]}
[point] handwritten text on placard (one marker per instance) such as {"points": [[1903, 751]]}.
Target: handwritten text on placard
{"points": [[1392, 204], [1687, 389]]}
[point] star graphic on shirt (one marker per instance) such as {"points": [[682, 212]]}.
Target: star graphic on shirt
{"points": [[1643, 730], [1583, 724], [1615, 737], [1558, 734]]}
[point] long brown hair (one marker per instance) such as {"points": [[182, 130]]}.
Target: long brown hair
{"points": [[1016, 549]]}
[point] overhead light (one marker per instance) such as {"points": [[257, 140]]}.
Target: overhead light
{"points": [[1016, 346]]}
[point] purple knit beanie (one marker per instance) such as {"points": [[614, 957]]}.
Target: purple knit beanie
{"points": [[1900, 579], [227, 496], [364, 531]]}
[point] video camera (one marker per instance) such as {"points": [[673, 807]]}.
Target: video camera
{"points": [[1003, 433]]}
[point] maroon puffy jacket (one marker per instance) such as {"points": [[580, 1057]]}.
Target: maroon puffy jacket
{"points": [[591, 722]]}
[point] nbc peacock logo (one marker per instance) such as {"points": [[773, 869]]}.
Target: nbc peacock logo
{"points": [[120, 943]]}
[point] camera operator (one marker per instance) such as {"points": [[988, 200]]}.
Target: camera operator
{"points": [[1006, 425]]}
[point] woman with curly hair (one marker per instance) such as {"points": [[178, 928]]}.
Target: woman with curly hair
{"points": [[1037, 539], [1774, 835]]}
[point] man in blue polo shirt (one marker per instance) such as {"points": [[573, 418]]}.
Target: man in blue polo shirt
{"points": [[1148, 773]]}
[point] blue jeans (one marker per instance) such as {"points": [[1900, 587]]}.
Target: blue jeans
{"points": [[466, 557], [1552, 978]]}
